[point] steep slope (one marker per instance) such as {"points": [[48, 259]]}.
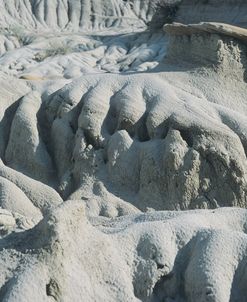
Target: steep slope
{"points": [[88, 14], [76, 14]]}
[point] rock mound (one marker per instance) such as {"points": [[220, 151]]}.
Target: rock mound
{"points": [[221, 46], [146, 257]]}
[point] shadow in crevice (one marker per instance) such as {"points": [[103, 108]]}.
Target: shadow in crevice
{"points": [[172, 285], [187, 137], [164, 13], [5, 126], [239, 290], [6, 287], [45, 128]]}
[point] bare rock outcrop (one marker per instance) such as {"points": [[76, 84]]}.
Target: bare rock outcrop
{"points": [[26, 142], [221, 46], [76, 14], [150, 143], [225, 11], [207, 27], [86, 14], [107, 135], [145, 257]]}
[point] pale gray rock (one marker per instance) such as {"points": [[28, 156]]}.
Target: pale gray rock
{"points": [[163, 256], [208, 44], [226, 11], [42, 196], [108, 132], [26, 150], [76, 14], [7, 222], [153, 149], [87, 15], [15, 201]]}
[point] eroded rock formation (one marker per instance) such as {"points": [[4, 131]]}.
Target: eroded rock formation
{"points": [[105, 135]]}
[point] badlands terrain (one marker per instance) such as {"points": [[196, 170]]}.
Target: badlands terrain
{"points": [[123, 150]]}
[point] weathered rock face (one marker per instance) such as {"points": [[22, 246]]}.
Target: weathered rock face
{"points": [[226, 11], [207, 27], [154, 145], [133, 142], [147, 257], [87, 14], [221, 45], [102, 132], [76, 14]]}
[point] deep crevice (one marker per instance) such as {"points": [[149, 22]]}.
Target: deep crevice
{"points": [[187, 137], [142, 131], [6, 124], [52, 289], [5, 287]]}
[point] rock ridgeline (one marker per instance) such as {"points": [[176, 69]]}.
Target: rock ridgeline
{"points": [[87, 14]]}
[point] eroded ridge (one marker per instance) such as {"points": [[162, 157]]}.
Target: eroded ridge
{"points": [[148, 257], [167, 148], [126, 142], [105, 138]]}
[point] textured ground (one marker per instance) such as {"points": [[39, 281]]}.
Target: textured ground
{"points": [[109, 128]]}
